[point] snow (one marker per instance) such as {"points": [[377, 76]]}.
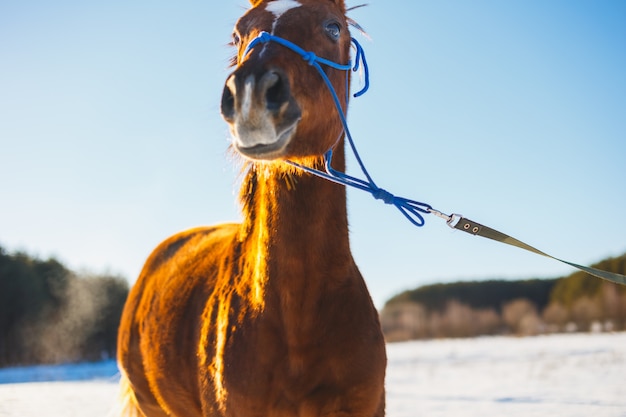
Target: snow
{"points": [[560, 375], [564, 375], [58, 399]]}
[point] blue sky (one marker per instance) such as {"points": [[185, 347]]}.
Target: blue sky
{"points": [[511, 113]]}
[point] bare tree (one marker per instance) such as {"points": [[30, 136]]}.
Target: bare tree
{"points": [[521, 317], [404, 321], [556, 316]]}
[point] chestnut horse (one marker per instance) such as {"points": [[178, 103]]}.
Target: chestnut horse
{"points": [[270, 317]]}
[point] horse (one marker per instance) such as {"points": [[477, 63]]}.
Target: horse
{"points": [[270, 316]]}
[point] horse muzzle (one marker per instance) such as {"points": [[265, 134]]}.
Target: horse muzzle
{"points": [[261, 112]]}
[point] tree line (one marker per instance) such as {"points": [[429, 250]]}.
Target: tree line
{"points": [[49, 314], [577, 302]]}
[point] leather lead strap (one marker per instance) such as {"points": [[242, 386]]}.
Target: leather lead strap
{"points": [[474, 228]]}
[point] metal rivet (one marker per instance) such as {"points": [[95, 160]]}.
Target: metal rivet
{"points": [[466, 226], [475, 229]]}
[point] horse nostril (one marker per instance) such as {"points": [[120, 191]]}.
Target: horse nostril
{"points": [[276, 90], [228, 102]]}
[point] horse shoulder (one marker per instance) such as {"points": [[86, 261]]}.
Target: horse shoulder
{"points": [[164, 309]]}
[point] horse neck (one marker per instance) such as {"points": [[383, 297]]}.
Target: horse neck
{"points": [[296, 230]]}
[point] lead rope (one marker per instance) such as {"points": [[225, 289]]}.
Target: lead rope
{"points": [[411, 209]]}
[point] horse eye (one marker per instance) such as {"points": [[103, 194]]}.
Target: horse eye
{"points": [[333, 30], [236, 39]]}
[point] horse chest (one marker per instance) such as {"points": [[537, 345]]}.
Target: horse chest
{"points": [[271, 357], [280, 380]]}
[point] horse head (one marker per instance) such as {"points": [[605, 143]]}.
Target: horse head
{"points": [[275, 103]]}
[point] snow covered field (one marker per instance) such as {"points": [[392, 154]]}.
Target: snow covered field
{"points": [[561, 375]]}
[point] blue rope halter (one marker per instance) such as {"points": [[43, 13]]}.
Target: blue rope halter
{"points": [[411, 209]]}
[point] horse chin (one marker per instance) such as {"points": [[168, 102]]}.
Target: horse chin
{"points": [[263, 145]]}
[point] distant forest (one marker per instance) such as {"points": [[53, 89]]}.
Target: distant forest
{"points": [[49, 314], [577, 302]]}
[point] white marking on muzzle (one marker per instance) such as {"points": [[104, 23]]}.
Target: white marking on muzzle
{"points": [[248, 88]]}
